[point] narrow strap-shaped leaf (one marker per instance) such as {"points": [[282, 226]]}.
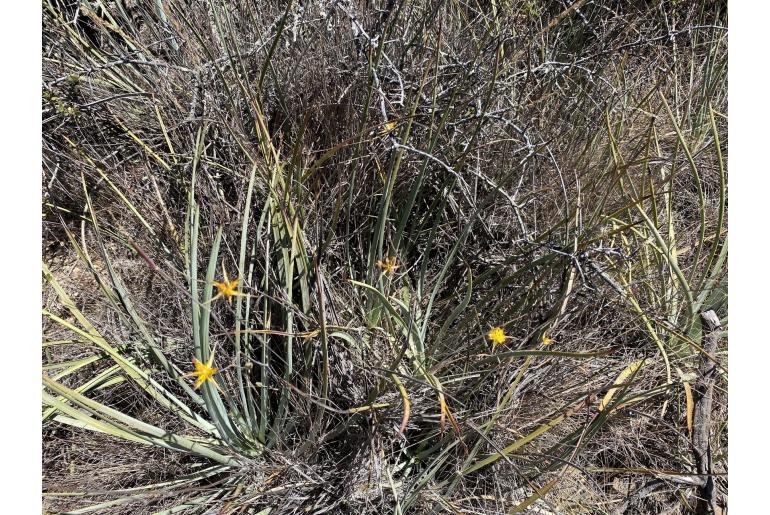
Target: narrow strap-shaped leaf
{"points": [[160, 394], [109, 418]]}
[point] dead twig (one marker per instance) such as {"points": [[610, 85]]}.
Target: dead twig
{"points": [[702, 393]]}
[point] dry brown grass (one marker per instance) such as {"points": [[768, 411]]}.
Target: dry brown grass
{"points": [[564, 111]]}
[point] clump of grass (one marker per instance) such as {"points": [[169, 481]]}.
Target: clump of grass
{"points": [[467, 249]]}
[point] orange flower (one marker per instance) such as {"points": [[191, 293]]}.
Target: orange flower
{"points": [[388, 266]]}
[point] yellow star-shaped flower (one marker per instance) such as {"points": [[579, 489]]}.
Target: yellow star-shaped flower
{"points": [[547, 340], [496, 335], [389, 126], [388, 265], [203, 372], [227, 288]]}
